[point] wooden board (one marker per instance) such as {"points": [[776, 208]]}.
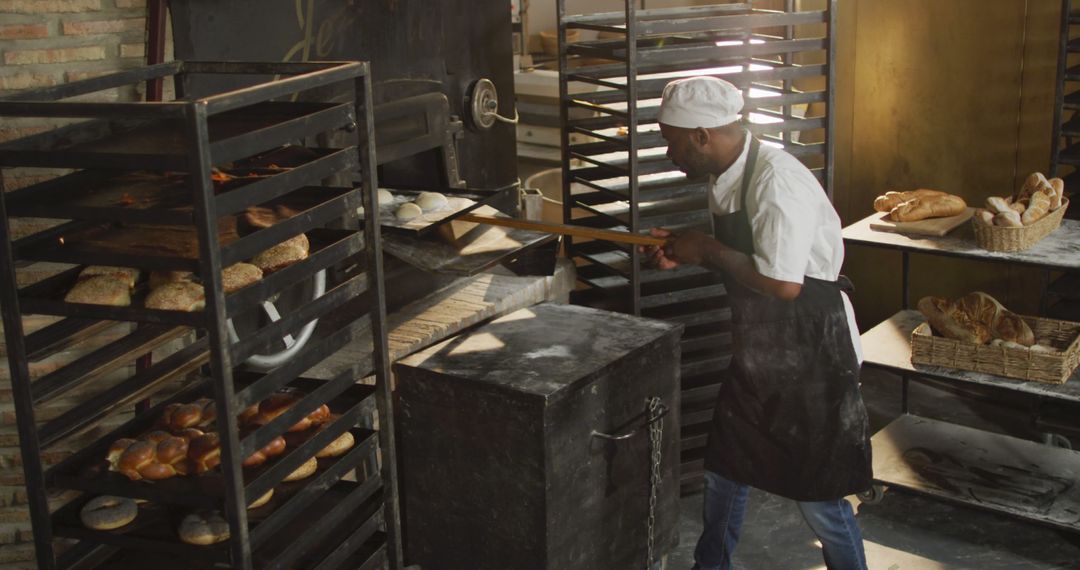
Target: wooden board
{"points": [[931, 227]]}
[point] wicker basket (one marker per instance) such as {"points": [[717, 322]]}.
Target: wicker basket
{"points": [[1002, 238], [1051, 367]]}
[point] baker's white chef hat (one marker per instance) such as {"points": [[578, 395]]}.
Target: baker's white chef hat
{"points": [[700, 102]]}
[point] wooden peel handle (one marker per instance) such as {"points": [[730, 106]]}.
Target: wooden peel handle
{"points": [[576, 231]]}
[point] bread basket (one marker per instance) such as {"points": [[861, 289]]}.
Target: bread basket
{"points": [[1002, 238], [1051, 367]]}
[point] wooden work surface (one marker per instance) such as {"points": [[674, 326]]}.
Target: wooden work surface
{"points": [[446, 312], [1060, 250]]}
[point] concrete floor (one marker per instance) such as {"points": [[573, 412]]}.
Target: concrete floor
{"points": [[904, 531]]}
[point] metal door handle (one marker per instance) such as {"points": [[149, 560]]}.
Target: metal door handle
{"points": [[627, 435]]}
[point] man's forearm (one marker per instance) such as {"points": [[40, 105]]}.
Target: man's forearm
{"points": [[739, 266]]}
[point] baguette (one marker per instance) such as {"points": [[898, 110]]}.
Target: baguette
{"points": [[932, 207], [1059, 193], [889, 200]]}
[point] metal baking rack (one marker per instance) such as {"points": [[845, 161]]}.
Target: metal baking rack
{"points": [[178, 145], [619, 177]]}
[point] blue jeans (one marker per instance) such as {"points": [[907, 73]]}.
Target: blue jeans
{"points": [[725, 504]]}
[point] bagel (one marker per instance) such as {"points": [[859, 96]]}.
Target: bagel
{"points": [[204, 528], [108, 512], [304, 471]]}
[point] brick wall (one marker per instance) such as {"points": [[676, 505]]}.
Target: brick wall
{"points": [[43, 43]]}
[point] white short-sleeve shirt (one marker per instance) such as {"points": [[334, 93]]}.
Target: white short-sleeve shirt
{"points": [[796, 229]]}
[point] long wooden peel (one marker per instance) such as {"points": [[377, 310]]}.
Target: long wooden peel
{"points": [[576, 231]]}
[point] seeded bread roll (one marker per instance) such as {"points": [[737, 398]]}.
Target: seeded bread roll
{"points": [[159, 278], [126, 274], [100, 290], [283, 254], [177, 296], [239, 275]]}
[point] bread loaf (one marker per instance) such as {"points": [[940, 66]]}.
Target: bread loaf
{"points": [[204, 453], [274, 448], [126, 274], [280, 402], [985, 216], [204, 528], [283, 254], [1038, 207], [889, 200], [100, 290], [1059, 193], [177, 417], [159, 278], [976, 317], [932, 207], [1008, 219], [239, 275], [177, 296], [997, 205], [157, 456]]}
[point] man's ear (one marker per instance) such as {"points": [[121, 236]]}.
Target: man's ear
{"points": [[700, 136]]}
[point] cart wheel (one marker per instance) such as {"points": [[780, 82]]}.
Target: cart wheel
{"points": [[1057, 440], [872, 496], [291, 345]]}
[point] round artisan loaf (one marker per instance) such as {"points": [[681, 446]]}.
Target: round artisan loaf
{"points": [[100, 290], [177, 296], [976, 317], [283, 254], [307, 469], [203, 528], [239, 275], [108, 512]]}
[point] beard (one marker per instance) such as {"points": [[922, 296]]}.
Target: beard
{"points": [[695, 164]]}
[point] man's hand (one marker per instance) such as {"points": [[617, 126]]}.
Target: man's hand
{"points": [[681, 249]]}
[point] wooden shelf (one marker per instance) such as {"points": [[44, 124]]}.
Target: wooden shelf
{"points": [[981, 469], [888, 345], [1059, 250]]}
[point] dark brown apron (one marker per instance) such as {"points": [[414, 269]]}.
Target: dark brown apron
{"points": [[789, 418]]}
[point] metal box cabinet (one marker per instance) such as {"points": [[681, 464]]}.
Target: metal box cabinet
{"points": [[501, 466]]}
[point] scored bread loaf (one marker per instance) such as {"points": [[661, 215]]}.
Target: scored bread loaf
{"points": [[997, 204], [930, 207], [889, 200], [976, 317]]}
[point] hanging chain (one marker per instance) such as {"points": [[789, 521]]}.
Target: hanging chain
{"points": [[656, 436]]}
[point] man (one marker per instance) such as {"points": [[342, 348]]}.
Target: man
{"points": [[789, 419]]}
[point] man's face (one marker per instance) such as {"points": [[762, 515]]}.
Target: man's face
{"points": [[684, 151]]}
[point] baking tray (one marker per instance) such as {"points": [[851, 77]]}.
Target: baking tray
{"points": [[430, 222]]}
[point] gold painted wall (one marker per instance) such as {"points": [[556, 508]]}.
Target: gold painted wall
{"points": [[955, 95]]}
